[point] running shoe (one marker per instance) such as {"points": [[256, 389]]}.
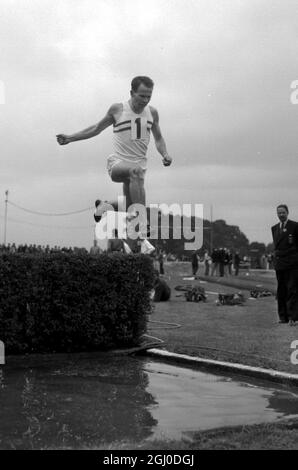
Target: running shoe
{"points": [[100, 208], [146, 247]]}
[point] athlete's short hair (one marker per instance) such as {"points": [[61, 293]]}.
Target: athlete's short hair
{"points": [[284, 206], [137, 81]]}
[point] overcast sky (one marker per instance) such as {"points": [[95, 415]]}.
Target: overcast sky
{"points": [[222, 70]]}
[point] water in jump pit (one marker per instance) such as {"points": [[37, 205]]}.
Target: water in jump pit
{"points": [[95, 401], [204, 401]]}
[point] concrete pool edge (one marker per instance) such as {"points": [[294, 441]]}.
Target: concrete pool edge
{"points": [[221, 366]]}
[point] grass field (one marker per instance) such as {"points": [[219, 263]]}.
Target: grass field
{"points": [[278, 436], [249, 334]]}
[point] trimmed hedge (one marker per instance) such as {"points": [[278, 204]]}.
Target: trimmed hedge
{"points": [[66, 302]]}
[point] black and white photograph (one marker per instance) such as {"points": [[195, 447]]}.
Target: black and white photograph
{"points": [[148, 228]]}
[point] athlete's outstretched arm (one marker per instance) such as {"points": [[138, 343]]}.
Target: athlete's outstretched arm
{"points": [[89, 132], [159, 140]]}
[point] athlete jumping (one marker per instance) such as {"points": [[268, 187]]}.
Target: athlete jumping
{"points": [[132, 123]]}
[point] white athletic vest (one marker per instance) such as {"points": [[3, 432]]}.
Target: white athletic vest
{"points": [[131, 135]]}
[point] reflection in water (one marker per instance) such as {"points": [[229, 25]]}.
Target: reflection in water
{"points": [[284, 402], [92, 400], [88, 403], [190, 400]]}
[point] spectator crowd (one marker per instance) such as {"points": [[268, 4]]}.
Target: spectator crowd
{"points": [[13, 248]]}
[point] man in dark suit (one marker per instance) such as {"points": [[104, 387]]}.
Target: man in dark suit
{"points": [[194, 263], [285, 239]]}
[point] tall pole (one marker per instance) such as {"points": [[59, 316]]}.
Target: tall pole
{"points": [[211, 229], [5, 217]]}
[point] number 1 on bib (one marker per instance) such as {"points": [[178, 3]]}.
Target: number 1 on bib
{"points": [[139, 128]]}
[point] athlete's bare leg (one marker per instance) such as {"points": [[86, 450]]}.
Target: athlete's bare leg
{"points": [[132, 175], [126, 193]]}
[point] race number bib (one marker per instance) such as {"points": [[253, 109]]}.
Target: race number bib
{"points": [[138, 128]]}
